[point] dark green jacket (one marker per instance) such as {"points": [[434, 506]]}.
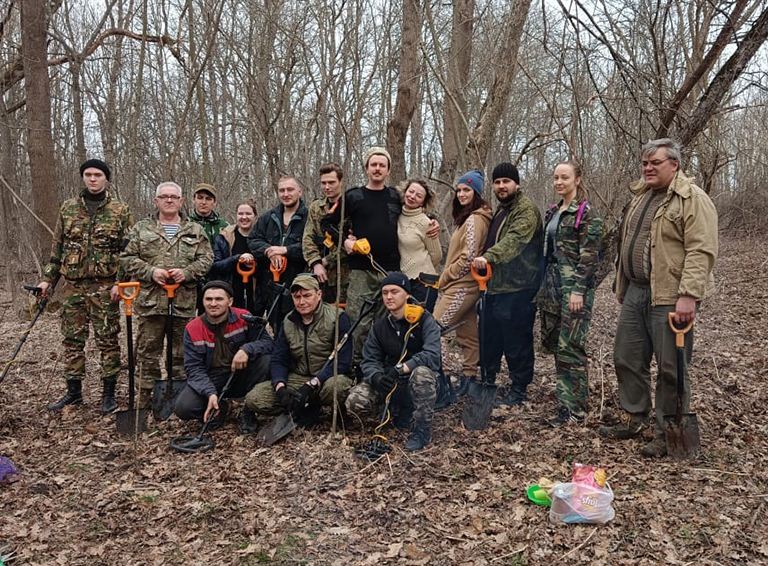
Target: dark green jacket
{"points": [[212, 224], [515, 256]]}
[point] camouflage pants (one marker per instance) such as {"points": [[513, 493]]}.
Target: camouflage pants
{"points": [[263, 400], [565, 335], [419, 395], [329, 287], [363, 285], [87, 302], [150, 347]]}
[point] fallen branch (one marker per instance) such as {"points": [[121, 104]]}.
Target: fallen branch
{"points": [[24, 204], [518, 551], [586, 540]]}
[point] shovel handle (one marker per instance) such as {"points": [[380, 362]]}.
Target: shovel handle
{"points": [[482, 279], [170, 289], [679, 332], [244, 272], [278, 271], [128, 297]]}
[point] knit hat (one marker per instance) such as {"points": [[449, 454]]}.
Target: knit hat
{"points": [[97, 164], [305, 281], [376, 150], [205, 187], [473, 179], [397, 278], [506, 171], [217, 284]]}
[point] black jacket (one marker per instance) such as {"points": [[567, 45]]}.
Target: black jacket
{"points": [[268, 231]]}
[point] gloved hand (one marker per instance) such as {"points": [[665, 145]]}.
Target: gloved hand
{"points": [[384, 382], [306, 395], [286, 398]]}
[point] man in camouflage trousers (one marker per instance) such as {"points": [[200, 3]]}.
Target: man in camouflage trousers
{"points": [[401, 358], [90, 232], [513, 248], [320, 258], [165, 248]]}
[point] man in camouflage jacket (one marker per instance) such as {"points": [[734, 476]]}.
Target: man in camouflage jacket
{"points": [[165, 248], [513, 248], [90, 232]]}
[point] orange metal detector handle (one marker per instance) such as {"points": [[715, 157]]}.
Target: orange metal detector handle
{"points": [[679, 332], [277, 272], [482, 280], [128, 297], [362, 246], [245, 273], [170, 289]]}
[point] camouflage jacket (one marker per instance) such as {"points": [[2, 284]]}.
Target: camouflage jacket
{"points": [[212, 224], [578, 247], [312, 245], [86, 246], [148, 248], [516, 254]]}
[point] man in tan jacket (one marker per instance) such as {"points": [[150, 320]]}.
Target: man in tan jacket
{"points": [[667, 249]]}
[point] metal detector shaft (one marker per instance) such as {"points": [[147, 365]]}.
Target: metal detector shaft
{"points": [[28, 329]]}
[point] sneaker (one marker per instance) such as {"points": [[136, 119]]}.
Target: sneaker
{"points": [[631, 426], [656, 448], [419, 438], [564, 416], [513, 397]]}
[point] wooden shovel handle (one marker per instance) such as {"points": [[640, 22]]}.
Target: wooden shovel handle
{"points": [[679, 332]]}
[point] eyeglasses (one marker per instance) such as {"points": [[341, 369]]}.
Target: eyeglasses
{"points": [[168, 197], [654, 163]]}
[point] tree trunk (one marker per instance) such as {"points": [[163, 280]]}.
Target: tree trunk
{"points": [[34, 26], [407, 88]]}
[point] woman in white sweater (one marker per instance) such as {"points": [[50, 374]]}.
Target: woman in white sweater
{"points": [[418, 252]]}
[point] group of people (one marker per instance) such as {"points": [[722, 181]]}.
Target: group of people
{"points": [[367, 261]]}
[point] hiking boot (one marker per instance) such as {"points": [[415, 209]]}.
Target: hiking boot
{"points": [[460, 389], [631, 426], [248, 422], [108, 403], [73, 396], [402, 419], [564, 416], [513, 397], [656, 448], [419, 438], [445, 394]]}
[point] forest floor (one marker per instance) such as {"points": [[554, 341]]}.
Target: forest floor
{"points": [[88, 496]]}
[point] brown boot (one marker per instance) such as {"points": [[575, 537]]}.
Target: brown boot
{"points": [[631, 426], [656, 448]]}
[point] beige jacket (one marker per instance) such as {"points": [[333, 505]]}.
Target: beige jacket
{"points": [[467, 243], [683, 243]]}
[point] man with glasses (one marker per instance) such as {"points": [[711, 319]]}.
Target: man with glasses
{"points": [[667, 249], [165, 248]]}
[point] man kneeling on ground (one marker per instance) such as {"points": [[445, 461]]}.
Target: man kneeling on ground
{"points": [[216, 344], [301, 382], [404, 352]]}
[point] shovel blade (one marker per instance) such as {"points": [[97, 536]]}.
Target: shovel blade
{"points": [[164, 398], [682, 437], [275, 431], [131, 422], [478, 405]]}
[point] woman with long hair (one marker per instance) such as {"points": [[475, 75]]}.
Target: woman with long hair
{"points": [[572, 254], [419, 254], [231, 247], [459, 291]]}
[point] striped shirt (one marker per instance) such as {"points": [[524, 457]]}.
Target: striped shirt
{"points": [[170, 230]]}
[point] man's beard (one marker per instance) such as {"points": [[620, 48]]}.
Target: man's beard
{"points": [[506, 200]]}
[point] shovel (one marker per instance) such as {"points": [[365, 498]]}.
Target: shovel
{"points": [[681, 430], [165, 391], [134, 420], [480, 394], [246, 272]]}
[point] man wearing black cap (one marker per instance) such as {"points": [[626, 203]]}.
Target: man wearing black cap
{"points": [[306, 340], [216, 344], [402, 349], [90, 233], [513, 248], [204, 200]]}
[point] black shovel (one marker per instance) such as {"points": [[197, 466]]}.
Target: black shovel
{"points": [[681, 430], [165, 391], [134, 420], [480, 394]]}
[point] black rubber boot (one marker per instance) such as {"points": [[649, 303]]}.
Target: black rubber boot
{"points": [[108, 403], [420, 437], [248, 422], [73, 396]]}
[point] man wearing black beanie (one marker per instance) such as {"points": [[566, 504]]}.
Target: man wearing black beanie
{"points": [[90, 234], [514, 250]]}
